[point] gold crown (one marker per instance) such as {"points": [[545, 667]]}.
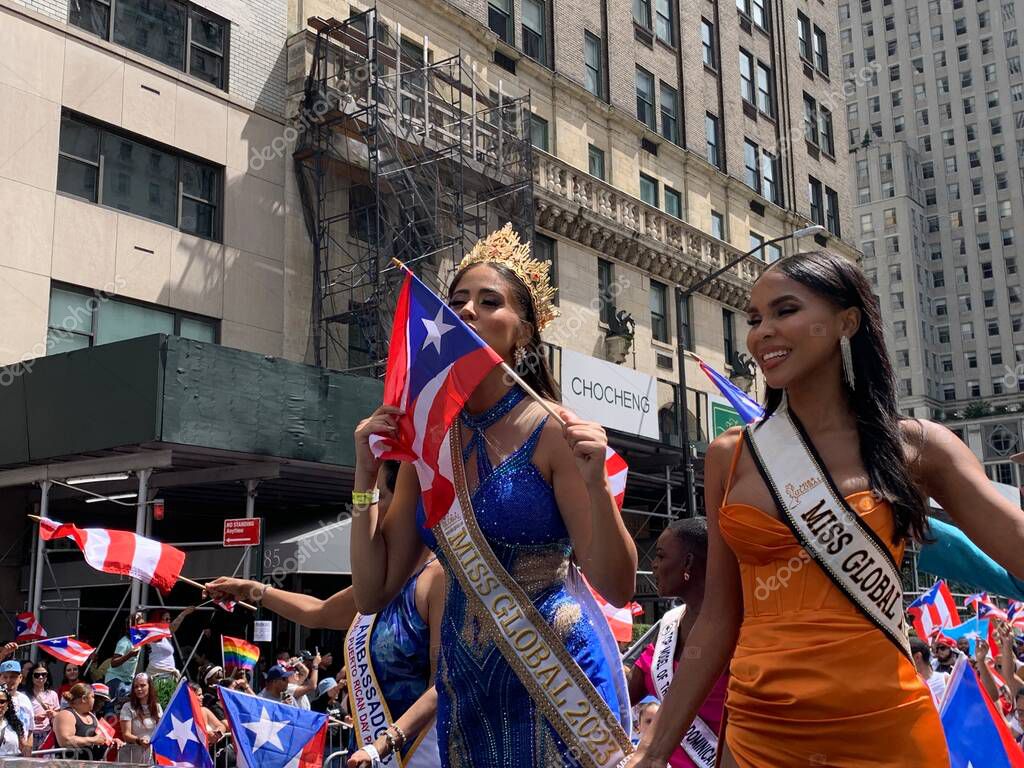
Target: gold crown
{"points": [[503, 247]]}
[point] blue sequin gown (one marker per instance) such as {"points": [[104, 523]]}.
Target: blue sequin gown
{"points": [[485, 717], [400, 648]]}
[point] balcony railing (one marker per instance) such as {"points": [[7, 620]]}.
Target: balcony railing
{"points": [[596, 214]]}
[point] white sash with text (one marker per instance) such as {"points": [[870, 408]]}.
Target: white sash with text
{"points": [[839, 541], [700, 743]]}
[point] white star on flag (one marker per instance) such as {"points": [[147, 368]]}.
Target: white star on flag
{"points": [[436, 328], [266, 731], [181, 732]]}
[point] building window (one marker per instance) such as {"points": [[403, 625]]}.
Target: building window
{"points": [[751, 165], [180, 35], [804, 36], [685, 321], [595, 158], [814, 192], [772, 252], [769, 175], [669, 113], [545, 249], [820, 51], [673, 203], [663, 21], [109, 169], [765, 100], [659, 311], [593, 63], [499, 19], [539, 132], [604, 284], [642, 13], [81, 318], [826, 136], [759, 14], [645, 98], [534, 31], [717, 225], [832, 211], [711, 135], [810, 119], [707, 41], [649, 190], [747, 77], [729, 335]]}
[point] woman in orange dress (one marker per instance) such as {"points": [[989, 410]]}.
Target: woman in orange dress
{"points": [[813, 682]]}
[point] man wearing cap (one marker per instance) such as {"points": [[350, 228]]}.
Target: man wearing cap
{"points": [[10, 675], [945, 653], [275, 685]]}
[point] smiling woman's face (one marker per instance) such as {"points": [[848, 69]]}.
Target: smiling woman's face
{"points": [[793, 332]]}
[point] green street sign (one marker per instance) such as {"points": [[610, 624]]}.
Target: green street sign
{"points": [[723, 417]]}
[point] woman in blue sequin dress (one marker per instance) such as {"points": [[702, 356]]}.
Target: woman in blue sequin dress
{"points": [[541, 498], [399, 643]]}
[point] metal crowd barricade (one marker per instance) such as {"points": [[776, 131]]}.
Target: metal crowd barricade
{"points": [[336, 746]]}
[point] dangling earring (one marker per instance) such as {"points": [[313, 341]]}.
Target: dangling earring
{"points": [[686, 576], [847, 353], [519, 356]]}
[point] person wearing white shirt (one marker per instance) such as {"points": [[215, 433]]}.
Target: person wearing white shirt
{"points": [[14, 739], [10, 675], [936, 681]]}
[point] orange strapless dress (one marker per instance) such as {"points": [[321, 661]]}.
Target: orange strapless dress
{"points": [[812, 681]]}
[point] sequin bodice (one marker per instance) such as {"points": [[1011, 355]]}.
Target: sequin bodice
{"points": [[486, 718]]}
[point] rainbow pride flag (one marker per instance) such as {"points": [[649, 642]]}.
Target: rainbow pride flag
{"points": [[237, 653]]}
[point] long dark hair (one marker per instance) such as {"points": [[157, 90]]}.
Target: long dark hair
{"points": [[874, 400], [11, 714], [147, 707], [32, 680], [534, 368]]}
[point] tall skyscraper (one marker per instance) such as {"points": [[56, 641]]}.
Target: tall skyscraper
{"points": [[935, 114]]}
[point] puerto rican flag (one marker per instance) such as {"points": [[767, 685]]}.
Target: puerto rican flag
{"points": [[620, 620], [1015, 614], [27, 627], [102, 725], [144, 634], [68, 650], [984, 607], [933, 611], [121, 552], [617, 470], [435, 362]]}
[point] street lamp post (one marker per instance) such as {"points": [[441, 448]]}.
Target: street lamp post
{"points": [[683, 295]]}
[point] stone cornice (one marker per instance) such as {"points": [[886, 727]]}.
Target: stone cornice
{"points": [[574, 204]]}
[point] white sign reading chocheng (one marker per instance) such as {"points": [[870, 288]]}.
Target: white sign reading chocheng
{"points": [[616, 397]]}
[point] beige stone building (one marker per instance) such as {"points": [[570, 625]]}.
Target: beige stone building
{"points": [[154, 177]]}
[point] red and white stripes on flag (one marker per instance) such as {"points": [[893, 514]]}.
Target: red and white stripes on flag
{"points": [[121, 552], [68, 650], [620, 620], [1015, 614], [27, 627], [934, 610], [617, 470]]}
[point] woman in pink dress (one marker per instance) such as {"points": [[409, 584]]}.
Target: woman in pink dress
{"points": [[679, 564]]}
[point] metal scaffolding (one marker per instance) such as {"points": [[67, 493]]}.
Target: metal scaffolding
{"points": [[399, 157]]}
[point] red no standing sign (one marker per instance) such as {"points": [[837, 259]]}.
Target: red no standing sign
{"points": [[242, 532]]}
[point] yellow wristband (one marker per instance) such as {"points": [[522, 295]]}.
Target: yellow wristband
{"points": [[365, 498]]}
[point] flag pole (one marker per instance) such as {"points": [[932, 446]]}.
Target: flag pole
{"points": [[511, 373], [200, 586], [44, 640]]}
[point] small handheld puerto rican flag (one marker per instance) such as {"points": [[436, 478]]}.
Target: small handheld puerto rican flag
{"points": [[179, 738], [144, 634], [1015, 614], [68, 650], [27, 628], [933, 611]]}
